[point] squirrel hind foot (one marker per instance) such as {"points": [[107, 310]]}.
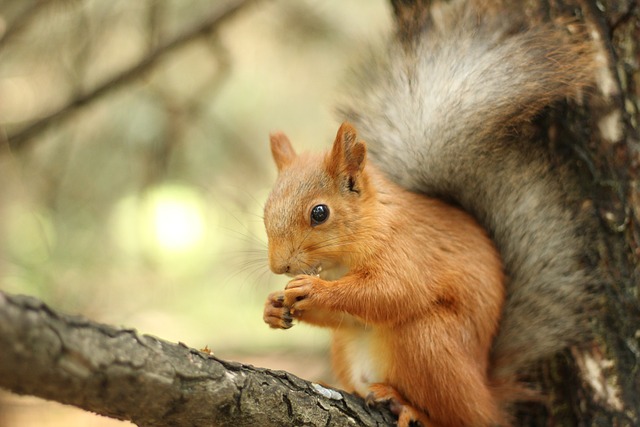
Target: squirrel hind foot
{"points": [[406, 413]]}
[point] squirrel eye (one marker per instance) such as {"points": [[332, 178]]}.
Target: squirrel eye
{"points": [[319, 214]]}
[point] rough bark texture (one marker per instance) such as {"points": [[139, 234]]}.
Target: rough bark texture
{"points": [[122, 374], [600, 385]]}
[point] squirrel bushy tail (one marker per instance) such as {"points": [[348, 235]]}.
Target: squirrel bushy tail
{"points": [[446, 111]]}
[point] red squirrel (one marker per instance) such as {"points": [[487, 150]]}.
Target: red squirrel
{"points": [[418, 308], [445, 253]]}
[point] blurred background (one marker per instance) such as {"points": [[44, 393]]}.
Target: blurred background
{"points": [[134, 163]]}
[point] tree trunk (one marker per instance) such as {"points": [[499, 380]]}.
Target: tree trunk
{"points": [[118, 373], [600, 385]]}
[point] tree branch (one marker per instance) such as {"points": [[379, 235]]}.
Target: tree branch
{"points": [[20, 139], [122, 374], [22, 21]]}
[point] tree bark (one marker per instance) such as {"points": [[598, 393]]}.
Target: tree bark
{"points": [[122, 374], [612, 368], [600, 385]]}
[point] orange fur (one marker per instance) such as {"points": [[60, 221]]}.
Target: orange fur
{"points": [[417, 292]]}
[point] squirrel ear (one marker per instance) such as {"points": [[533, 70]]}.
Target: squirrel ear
{"points": [[281, 149], [348, 155]]}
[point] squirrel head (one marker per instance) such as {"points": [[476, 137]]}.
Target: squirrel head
{"points": [[313, 214]]}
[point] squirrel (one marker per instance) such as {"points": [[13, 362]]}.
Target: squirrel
{"points": [[440, 243]]}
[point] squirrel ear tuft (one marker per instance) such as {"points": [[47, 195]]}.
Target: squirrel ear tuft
{"points": [[281, 150], [348, 154]]}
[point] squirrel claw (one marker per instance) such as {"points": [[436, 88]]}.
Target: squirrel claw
{"points": [[371, 401], [407, 414], [288, 319], [278, 322], [276, 314]]}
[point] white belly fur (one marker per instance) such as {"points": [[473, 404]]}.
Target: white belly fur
{"points": [[364, 357]]}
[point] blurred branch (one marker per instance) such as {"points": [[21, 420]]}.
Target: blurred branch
{"points": [[20, 139], [22, 21], [121, 374]]}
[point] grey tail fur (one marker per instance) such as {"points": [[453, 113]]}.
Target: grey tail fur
{"points": [[446, 110]]}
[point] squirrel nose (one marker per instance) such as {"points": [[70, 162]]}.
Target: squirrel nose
{"points": [[281, 268], [279, 258]]}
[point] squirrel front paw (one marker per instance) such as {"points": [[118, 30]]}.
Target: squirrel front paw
{"points": [[276, 314], [300, 292], [284, 306]]}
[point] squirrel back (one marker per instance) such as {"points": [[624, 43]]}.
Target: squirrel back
{"points": [[446, 111]]}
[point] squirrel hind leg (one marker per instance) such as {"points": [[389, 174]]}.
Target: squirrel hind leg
{"points": [[406, 413]]}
